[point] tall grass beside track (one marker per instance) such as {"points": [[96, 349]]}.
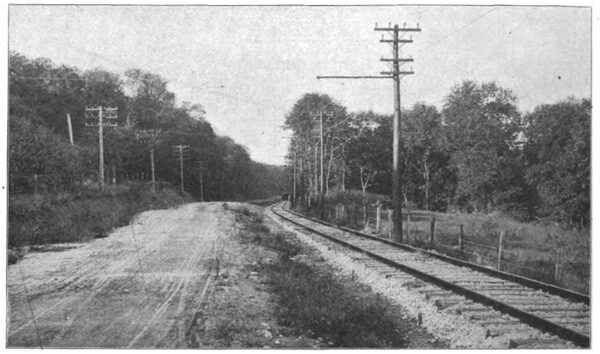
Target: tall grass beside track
{"points": [[312, 301], [541, 250]]}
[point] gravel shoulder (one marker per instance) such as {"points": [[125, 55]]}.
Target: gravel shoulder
{"points": [[177, 278], [137, 288]]}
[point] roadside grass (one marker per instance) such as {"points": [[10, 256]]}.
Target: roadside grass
{"points": [[312, 301], [265, 202], [530, 249], [541, 250], [57, 218]]}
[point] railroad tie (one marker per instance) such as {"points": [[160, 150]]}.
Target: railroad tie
{"points": [[528, 343]]}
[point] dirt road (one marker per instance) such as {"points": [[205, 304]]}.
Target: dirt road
{"points": [[137, 288]]}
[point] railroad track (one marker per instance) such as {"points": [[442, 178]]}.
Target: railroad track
{"points": [[502, 303]]}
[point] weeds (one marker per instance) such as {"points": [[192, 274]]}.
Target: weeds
{"points": [[61, 218], [314, 302], [225, 330], [319, 303]]}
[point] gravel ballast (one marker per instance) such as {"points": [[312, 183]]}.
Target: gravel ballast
{"points": [[453, 328]]}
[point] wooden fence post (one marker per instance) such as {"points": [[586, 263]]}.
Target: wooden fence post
{"points": [[35, 184], [557, 264], [365, 218], [432, 233], [389, 212], [407, 228], [500, 241], [460, 238], [378, 218]]}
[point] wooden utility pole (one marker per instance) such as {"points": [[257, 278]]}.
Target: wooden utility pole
{"points": [[182, 152], [152, 169], [396, 75], [201, 181], [181, 166], [70, 128], [101, 145], [294, 181], [102, 113], [149, 138], [321, 187]]}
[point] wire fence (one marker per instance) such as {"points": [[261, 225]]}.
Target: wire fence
{"points": [[486, 244]]}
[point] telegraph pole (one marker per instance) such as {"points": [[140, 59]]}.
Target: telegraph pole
{"points": [[102, 113], [321, 187], [321, 162], [181, 150], [152, 169], [70, 128], [201, 181], [396, 75], [294, 181]]}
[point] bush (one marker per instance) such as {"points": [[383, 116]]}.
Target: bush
{"points": [[61, 218], [319, 303]]}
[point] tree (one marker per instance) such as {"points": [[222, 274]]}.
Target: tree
{"points": [[150, 98], [557, 155], [424, 146], [481, 123], [303, 121], [368, 149]]}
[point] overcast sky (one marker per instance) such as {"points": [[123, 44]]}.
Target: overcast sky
{"points": [[248, 65]]}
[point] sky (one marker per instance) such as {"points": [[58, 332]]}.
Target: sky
{"points": [[248, 65]]}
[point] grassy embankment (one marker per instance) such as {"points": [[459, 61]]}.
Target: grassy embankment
{"points": [[313, 302], [531, 249], [68, 217]]}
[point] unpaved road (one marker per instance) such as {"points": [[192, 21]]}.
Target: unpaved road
{"points": [[137, 288]]}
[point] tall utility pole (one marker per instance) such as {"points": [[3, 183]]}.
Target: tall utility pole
{"points": [[321, 186], [294, 181], [201, 181], [182, 151], [100, 113], [70, 128], [396, 75], [152, 169], [321, 172], [150, 138]]}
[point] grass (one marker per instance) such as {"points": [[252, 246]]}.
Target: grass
{"points": [[57, 218], [531, 249], [314, 302], [266, 202]]}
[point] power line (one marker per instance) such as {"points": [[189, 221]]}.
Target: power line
{"points": [[47, 78], [396, 74], [458, 30]]}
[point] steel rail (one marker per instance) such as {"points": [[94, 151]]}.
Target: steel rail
{"points": [[536, 284], [528, 318]]}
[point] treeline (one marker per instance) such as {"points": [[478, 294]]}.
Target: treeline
{"points": [[478, 154], [43, 93]]}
